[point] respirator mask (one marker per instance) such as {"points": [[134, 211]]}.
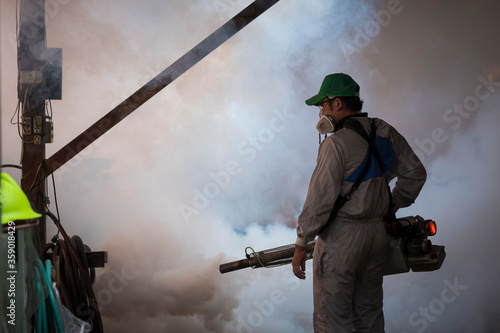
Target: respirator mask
{"points": [[325, 124]]}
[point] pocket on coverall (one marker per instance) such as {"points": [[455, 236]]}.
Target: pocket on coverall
{"points": [[324, 266]]}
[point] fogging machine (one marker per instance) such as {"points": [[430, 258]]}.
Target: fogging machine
{"points": [[410, 249]]}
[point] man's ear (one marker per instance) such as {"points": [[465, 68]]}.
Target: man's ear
{"points": [[340, 103]]}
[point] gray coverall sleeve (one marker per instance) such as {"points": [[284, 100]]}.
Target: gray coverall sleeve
{"points": [[409, 170], [324, 189]]}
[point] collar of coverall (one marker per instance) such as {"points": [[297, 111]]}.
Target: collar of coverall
{"points": [[354, 115]]}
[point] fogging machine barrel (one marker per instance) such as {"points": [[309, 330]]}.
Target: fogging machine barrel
{"points": [[267, 258]]}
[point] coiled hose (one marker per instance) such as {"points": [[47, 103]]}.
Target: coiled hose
{"points": [[75, 277]]}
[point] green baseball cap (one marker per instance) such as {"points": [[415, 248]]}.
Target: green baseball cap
{"points": [[335, 85], [14, 203]]}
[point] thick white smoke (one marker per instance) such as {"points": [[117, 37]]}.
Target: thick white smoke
{"points": [[221, 158]]}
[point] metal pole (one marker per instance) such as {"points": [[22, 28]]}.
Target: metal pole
{"points": [[32, 44]]}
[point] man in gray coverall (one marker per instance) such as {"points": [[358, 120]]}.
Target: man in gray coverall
{"points": [[351, 252]]}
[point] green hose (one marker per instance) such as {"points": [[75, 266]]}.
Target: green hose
{"points": [[41, 313], [52, 299], [48, 308]]}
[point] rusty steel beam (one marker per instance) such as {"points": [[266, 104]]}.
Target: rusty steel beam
{"points": [[150, 89]]}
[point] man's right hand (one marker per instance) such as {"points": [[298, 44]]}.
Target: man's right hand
{"points": [[299, 262]]}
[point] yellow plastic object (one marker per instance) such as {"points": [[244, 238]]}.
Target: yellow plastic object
{"points": [[14, 203]]}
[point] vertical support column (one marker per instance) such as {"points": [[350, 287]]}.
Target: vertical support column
{"points": [[32, 46]]}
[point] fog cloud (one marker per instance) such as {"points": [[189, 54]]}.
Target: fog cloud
{"points": [[221, 158]]}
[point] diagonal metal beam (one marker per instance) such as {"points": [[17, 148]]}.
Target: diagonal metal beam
{"points": [[150, 89]]}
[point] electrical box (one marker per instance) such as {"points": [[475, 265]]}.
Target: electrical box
{"points": [[42, 129]]}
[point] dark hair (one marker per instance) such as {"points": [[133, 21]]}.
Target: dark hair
{"points": [[354, 103]]}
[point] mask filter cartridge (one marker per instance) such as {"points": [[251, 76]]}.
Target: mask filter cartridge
{"points": [[325, 125]]}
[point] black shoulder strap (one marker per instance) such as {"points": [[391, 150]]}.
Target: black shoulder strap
{"points": [[358, 128]]}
